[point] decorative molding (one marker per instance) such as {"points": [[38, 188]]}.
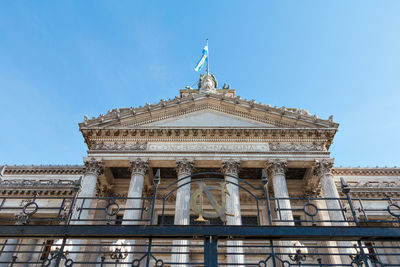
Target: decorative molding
{"points": [[51, 187], [323, 167], [276, 167], [184, 167], [231, 167], [94, 167], [43, 170], [139, 166], [297, 146], [24, 183], [359, 171], [94, 137], [118, 146]]}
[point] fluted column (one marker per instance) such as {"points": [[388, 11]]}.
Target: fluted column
{"points": [[132, 213], [184, 168], [234, 216], [328, 189], [94, 168], [8, 252]]}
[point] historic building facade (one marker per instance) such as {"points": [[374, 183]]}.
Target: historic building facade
{"points": [[204, 179]]}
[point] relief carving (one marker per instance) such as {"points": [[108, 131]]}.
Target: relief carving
{"points": [[297, 147], [119, 146]]}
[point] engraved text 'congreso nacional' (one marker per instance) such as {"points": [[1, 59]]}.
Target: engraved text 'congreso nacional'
{"points": [[201, 147]]}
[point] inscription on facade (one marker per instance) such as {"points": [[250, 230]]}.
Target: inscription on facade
{"points": [[207, 147]]}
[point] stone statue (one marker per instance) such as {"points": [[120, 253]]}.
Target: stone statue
{"points": [[208, 83]]}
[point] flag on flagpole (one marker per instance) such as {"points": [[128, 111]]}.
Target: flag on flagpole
{"points": [[202, 60]]}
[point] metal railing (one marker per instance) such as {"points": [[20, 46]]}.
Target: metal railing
{"points": [[67, 231]]}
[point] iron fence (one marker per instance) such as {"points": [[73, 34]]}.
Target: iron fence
{"points": [[82, 231]]}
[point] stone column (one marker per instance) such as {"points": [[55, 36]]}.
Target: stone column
{"points": [[329, 190], [331, 250], [276, 170], [8, 252], [92, 252], [233, 212], [28, 251], [139, 169], [180, 253], [94, 168]]}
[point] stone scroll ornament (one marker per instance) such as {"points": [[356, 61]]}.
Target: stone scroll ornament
{"points": [[230, 167], [323, 167], [94, 167], [184, 167], [139, 166], [276, 166]]}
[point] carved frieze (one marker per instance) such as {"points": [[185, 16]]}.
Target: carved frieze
{"points": [[297, 147], [118, 146]]}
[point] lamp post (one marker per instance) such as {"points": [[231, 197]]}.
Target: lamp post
{"points": [[298, 252], [119, 251]]}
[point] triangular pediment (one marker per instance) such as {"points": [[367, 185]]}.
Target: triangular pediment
{"points": [[206, 111], [208, 119]]}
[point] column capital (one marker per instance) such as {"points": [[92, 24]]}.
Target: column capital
{"points": [[276, 166], [323, 167], [139, 166], [94, 167], [231, 167], [184, 166]]}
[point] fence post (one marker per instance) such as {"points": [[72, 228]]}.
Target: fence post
{"points": [[210, 251]]}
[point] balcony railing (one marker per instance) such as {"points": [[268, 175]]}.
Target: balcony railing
{"points": [[66, 231]]}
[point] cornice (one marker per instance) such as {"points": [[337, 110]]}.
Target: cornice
{"points": [[43, 169], [40, 187], [359, 171], [178, 106]]}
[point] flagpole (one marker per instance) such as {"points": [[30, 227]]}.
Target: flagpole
{"points": [[208, 57]]}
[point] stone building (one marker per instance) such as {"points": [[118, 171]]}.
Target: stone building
{"points": [[204, 179]]}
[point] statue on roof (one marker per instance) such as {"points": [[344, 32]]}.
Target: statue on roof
{"points": [[208, 83]]}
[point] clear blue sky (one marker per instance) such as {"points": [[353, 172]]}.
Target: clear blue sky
{"points": [[60, 60]]}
